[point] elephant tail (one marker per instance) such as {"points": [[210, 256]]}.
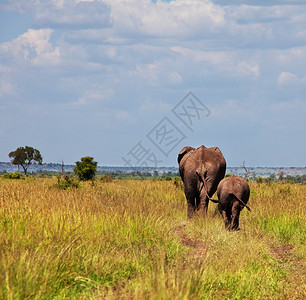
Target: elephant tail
{"points": [[201, 176], [213, 200], [247, 207]]}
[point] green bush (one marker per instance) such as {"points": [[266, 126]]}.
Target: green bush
{"points": [[66, 183], [86, 169], [290, 181], [106, 178], [260, 180], [14, 175], [178, 182]]}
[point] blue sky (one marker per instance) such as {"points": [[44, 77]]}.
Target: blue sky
{"points": [[103, 78]]}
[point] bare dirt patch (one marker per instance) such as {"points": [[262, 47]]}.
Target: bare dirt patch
{"points": [[295, 269], [282, 252], [197, 248]]}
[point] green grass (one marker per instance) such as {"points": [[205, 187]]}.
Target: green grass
{"points": [[131, 240]]}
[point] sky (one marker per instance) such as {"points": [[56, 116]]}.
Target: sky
{"points": [[131, 82]]}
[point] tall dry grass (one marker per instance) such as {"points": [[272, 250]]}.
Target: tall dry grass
{"points": [[131, 239]]}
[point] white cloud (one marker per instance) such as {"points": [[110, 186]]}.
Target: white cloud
{"points": [[7, 88], [287, 78], [165, 19], [32, 47], [155, 74], [228, 62], [18, 6], [96, 94], [292, 57], [73, 14], [258, 14], [63, 13], [123, 116]]}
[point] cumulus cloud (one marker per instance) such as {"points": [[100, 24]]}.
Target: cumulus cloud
{"points": [[165, 19], [220, 61], [94, 95], [155, 74], [288, 78], [73, 14], [32, 47]]}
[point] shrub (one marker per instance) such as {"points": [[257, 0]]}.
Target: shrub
{"points": [[178, 182], [260, 180], [66, 183], [14, 175], [106, 178], [290, 181]]}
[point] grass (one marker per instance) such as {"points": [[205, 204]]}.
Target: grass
{"points": [[131, 240]]}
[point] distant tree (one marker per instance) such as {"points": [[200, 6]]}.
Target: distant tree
{"points": [[281, 175], [86, 168], [271, 178], [62, 172], [260, 179], [25, 156], [247, 171]]}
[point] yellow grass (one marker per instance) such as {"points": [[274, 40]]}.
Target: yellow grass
{"points": [[131, 240]]}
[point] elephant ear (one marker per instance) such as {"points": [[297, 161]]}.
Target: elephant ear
{"points": [[184, 151]]}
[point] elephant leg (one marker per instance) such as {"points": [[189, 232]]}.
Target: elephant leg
{"points": [[226, 217], [235, 216], [191, 207], [190, 210], [203, 202]]}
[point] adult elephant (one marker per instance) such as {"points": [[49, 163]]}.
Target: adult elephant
{"points": [[201, 170]]}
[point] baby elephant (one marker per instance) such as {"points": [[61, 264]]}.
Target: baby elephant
{"points": [[233, 194]]}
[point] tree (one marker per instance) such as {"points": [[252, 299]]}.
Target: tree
{"points": [[247, 171], [86, 168], [281, 175], [25, 156]]}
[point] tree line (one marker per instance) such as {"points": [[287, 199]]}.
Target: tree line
{"points": [[86, 169], [25, 156]]}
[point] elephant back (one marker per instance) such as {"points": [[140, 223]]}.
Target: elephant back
{"points": [[212, 157], [234, 185]]}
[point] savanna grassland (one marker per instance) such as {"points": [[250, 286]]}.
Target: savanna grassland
{"points": [[131, 240]]}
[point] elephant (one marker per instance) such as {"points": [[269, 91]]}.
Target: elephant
{"points": [[201, 170], [233, 194]]}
